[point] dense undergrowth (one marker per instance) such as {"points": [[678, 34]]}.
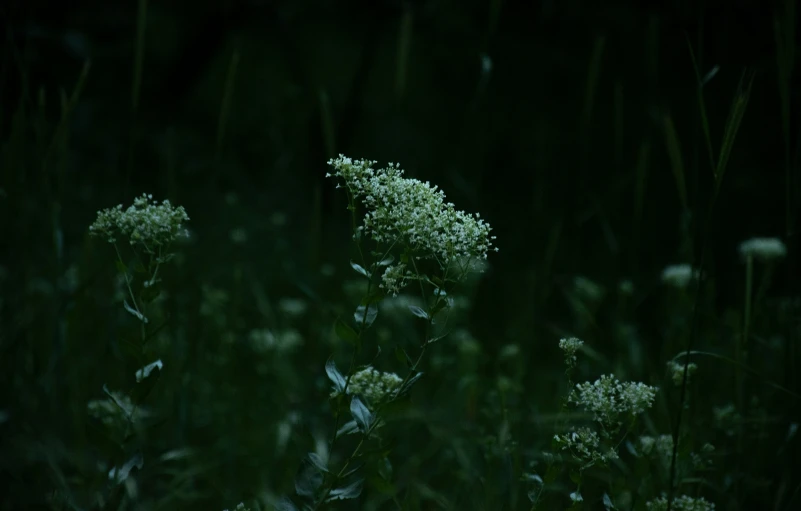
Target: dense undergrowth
{"points": [[341, 336]]}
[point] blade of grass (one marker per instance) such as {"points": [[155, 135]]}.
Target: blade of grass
{"points": [[676, 163], [702, 107], [404, 42], [733, 122], [225, 106]]}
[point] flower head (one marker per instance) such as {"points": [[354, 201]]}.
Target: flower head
{"points": [[412, 213], [681, 503], [677, 371], [145, 223], [373, 385], [609, 398], [679, 275], [570, 347], [765, 249], [584, 445]]}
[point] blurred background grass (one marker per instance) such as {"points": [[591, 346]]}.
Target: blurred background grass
{"points": [[551, 119]]}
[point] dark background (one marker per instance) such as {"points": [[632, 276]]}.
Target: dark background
{"points": [[543, 116]]}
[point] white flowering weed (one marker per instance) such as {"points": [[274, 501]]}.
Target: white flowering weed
{"points": [[145, 223], [609, 399], [585, 445], [412, 213], [373, 385], [681, 503]]}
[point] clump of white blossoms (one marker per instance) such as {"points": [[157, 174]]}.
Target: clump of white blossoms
{"points": [[412, 213], [679, 275], [681, 503], [677, 371], [609, 399], [570, 347], [373, 385], [661, 445], [146, 223], [584, 445], [395, 277], [764, 249]]}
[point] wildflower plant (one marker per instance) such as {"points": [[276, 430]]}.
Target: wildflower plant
{"points": [[613, 407], [148, 229], [408, 237]]}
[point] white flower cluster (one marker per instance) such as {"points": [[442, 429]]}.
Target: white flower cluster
{"points": [[373, 385], [681, 503], [408, 211], [263, 340], [584, 445], [765, 249], [145, 223], [609, 398], [570, 347], [662, 445], [677, 371], [395, 278], [679, 275]]}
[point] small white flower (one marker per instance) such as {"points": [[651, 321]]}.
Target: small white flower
{"points": [[146, 223], [413, 213], [681, 503], [570, 347], [764, 249], [609, 398], [677, 371], [395, 278], [679, 275], [584, 445], [373, 385]]}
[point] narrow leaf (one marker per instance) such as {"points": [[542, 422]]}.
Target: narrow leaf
{"points": [[318, 462], [144, 372], [403, 357], [346, 332], [361, 414], [134, 312], [334, 375], [359, 269], [417, 311], [350, 491], [366, 314], [348, 428]]}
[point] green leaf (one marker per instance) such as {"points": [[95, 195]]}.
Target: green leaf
{"points": [[417, 311], [138, 315], [285, 505], [348, 428], [386, 261], [608, 503], [118, 476], [346, 332], [317, 461], [403, 357], [334, 375], [350, 491], [308, 481], [144, 372], [359, 269], [361, 414], [127, 410], [367, 314], [121, 267], [409, 383]]}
